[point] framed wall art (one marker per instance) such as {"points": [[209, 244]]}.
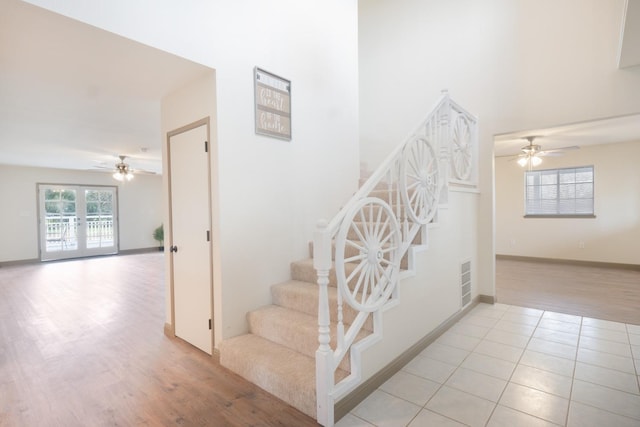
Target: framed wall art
{"points": [[272, 104]]}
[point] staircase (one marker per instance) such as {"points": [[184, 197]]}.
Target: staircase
{"points": [[305, 347], [278, 353]]}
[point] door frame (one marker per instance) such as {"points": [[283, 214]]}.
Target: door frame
{"points": [[87, 252], [206, 122]]}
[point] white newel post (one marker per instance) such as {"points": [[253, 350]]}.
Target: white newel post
{"points": [[324, 354]]}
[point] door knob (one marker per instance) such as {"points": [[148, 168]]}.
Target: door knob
{"points": [[173, 249]]}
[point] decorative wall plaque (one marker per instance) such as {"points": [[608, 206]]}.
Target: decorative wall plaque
{"points": [[272, 104]]}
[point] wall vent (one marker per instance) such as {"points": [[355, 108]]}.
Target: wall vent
{"points": [[465, 282]]}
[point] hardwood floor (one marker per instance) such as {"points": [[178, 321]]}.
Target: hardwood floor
{"points": [[598, 292], [82, 343]]}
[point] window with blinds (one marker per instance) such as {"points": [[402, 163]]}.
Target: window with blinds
{"points": [[559, 192]]}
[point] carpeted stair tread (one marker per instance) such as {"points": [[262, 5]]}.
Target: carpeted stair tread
{"points": [[352, 235], [384, 194], [303, 270], [294, 329], [303, 296], [350, 251], [277, 369], [389, 197], [278, 354]]}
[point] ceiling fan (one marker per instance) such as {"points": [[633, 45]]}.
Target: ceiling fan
{"points": [[532, 154], [123, 172]]}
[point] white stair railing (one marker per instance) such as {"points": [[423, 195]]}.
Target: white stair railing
{"points": [[374, 230]]}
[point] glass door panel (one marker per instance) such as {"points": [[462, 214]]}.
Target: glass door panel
{"points": [[60, 220], [99, 218], [77, 221]]}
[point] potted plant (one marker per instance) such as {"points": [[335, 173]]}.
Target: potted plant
{"points": [[158, 234]]}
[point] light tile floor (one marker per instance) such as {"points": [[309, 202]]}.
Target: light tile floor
{"points": [[512, 366]]}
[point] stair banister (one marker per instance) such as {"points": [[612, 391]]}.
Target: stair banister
{"points": [[324, 354], [413, 175]]}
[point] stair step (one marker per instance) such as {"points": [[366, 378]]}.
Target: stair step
{"points": [[350, 251], [283, 372], [294, 329], [398, 211], [352, 235], [303, 296], [278, 353], [304, 271], [389, 197], [382, 185], [383, 193]]}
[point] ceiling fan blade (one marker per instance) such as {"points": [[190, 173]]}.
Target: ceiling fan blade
{"points": [[573, 147], [550, 153]]}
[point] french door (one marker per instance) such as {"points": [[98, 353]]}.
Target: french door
{"points": [[77, 221]]}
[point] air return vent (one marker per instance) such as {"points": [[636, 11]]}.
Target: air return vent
{"points": [[465, 282]]}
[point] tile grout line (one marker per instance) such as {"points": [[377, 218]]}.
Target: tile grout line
{"points": [[633, 359], [573, 376], [424, 407], [484, 337], [502, 392], [517, 364], [514, 369], [595, 383]]}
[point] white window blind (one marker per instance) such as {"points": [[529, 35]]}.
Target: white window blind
{"points": [[558, 192]]}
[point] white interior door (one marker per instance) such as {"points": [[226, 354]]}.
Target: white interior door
{"points": [[77, 221], [190, 236]]}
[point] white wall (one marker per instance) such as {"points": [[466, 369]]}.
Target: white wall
{"points": [[612, 236], [193, 102], [525, 64], [139, 205], [434, 294], [271, 193]]}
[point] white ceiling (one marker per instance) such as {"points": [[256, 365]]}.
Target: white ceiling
{"points": [[605, 131], [630, 44], [73, 96]]}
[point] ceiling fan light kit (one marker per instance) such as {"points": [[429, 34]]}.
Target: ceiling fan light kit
{"points": [[122, 176], [532, 154], [533, 160], [122, 173]]}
